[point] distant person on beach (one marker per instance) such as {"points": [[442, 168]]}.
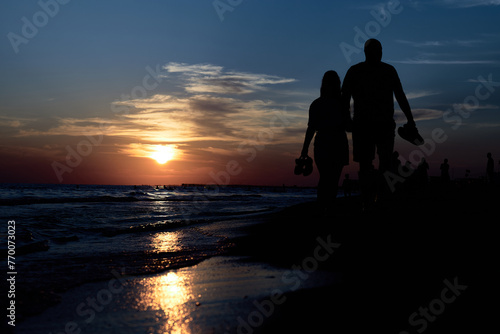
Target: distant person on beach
{"points": [[347, 186], [490, 168], [331, 150], [445, 171], [422, 169], [422, 174], [373, 84], [395, 163]]}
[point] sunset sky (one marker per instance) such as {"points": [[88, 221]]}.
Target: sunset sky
{"points": [[93, 91]]}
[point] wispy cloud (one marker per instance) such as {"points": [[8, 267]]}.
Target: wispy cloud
{"points": [[460, 106], [469, 3], [420, 44], [420, 94], [457, 42], [215, 104], [495, 83], [212, 79], [197, 117], [419, 61], [419, 114], [470, 51], [13, 122], [487, 125], [196, 69], [418, 4]]}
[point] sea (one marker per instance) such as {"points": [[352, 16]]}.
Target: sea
{"points": [[68, 235]]}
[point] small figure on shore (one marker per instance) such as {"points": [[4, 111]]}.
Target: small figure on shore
{"points": [[395, 163], [445, 171], [347, 186], [422, 174], [490, 168]]}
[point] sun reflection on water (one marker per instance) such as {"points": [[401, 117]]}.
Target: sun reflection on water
{"points": [[171, 295], [165, 242]]}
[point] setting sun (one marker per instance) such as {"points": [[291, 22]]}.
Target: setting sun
{"points": [[162, 154]]}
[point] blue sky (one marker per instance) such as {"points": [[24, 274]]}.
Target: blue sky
{"points": [[219, 73]]}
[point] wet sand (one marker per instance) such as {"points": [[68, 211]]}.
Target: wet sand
{"points": [[422, 262], [216, 296]]}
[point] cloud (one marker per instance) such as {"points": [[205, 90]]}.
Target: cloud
{"points": [[144, 150], [471, 51], [469, 3], [420, 94], [380, 6], [419, 114], [13, 122], [418, 4], [65, 127], [211, 106], [206, 78], [420, 44], [486, 125], [196, 69], [464, 106], [218, 150], [494, 83], [420, 61], [150, 104], [457, 42], [201, 116]]}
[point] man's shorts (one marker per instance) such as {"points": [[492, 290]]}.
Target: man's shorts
{"points": [[366, 137]]}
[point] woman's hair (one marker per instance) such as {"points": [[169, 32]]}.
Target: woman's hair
{"points": [[330, 85]]}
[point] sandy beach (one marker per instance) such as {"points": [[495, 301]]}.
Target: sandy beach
{"points": [[421, 262]]}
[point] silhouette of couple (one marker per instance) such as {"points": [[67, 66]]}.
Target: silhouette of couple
{"points": [[372, 84]]}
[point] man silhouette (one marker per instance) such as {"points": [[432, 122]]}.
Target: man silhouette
{"points": [[373, 85]]}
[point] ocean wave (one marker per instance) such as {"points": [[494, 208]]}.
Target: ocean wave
{"points": [[109, 199], [40, 200], [33, 247], [151, 227]]}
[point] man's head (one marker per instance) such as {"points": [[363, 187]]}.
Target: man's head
{"points": [[373, 51]]}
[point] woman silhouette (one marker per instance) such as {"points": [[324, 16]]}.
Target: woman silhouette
{"points": [[331, 150]]}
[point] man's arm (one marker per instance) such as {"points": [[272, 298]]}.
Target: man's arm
{"points": [[345, 101], [403, 101]]}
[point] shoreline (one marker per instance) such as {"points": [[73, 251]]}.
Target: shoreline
{"points": [[218, 295]]}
